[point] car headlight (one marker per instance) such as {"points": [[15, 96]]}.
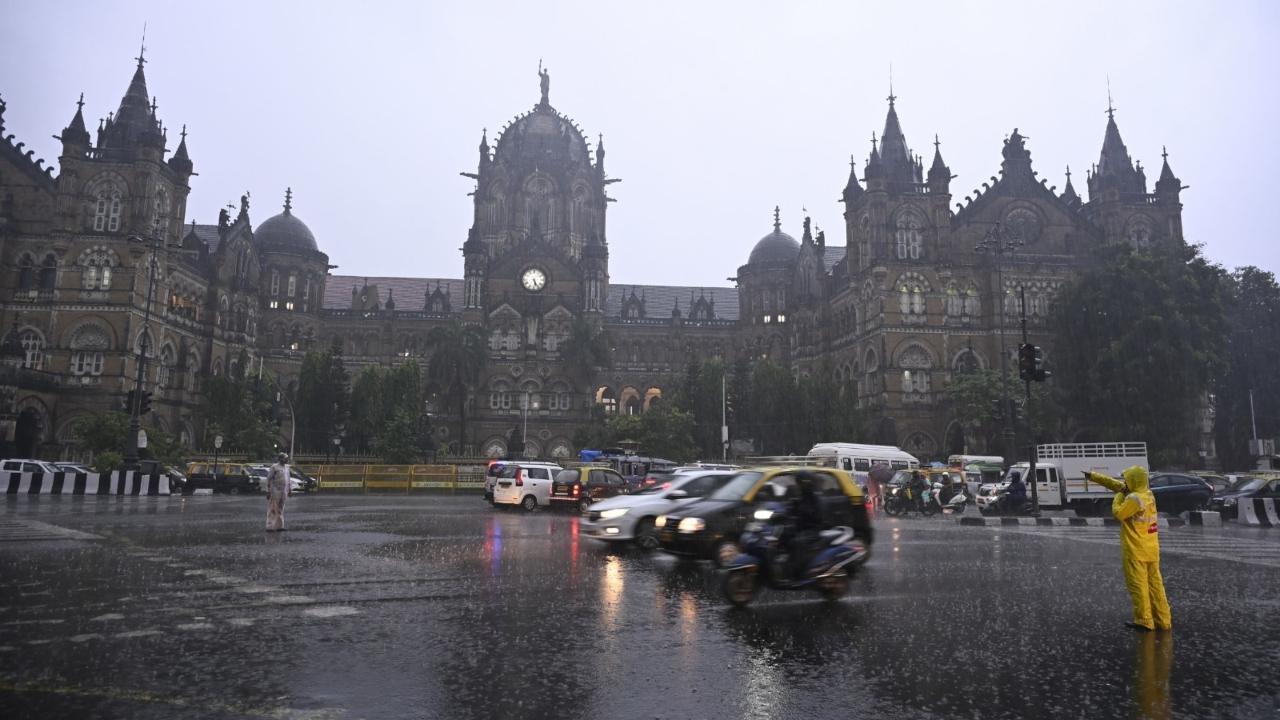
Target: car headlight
{"points": [[763, 514], [660, 522], [611, 514], [692, 525]]}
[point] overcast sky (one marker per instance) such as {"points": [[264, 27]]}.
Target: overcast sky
{"points": [[712, 113]]}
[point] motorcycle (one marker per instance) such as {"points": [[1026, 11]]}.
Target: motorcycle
{"points": [[764, 561], [1001, 507], [902, 499]]}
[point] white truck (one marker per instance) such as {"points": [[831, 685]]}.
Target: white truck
{"points": [[1060, 469]]}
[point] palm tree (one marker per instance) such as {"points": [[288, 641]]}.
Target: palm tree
{"points": [[457, 358], [585, 350]]}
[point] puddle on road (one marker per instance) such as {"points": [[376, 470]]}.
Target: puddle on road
{"points": [[330, 611]]}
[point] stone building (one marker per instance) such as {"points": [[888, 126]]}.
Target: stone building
{"points": [[902, 303]]}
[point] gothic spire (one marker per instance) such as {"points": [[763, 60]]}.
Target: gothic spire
{"points": [[893, 147], [1114, 171], [1069, 192], [75, 132], [939, 173], [1168, 182], [874, 169], [852, 189], [600, 153], [181, 161], [484, 144]]}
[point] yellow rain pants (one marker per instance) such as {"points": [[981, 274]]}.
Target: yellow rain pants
{"points": [[1135, 507]]}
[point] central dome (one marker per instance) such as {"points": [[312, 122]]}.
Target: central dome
{"points": [[285, 231], [776, 247]]}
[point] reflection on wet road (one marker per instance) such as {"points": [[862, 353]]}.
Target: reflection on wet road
{"points": [[388, 607]]}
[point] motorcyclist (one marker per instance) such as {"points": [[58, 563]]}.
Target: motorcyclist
{"points": [[1016, 494], [918, 485], [805, 521]]}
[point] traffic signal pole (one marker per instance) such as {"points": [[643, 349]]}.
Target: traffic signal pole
{"points": [[135, 404], [1031, 434]]}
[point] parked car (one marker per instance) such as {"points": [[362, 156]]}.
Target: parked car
{"points": [[1219, 483], [298, 481], [177, 478], [233, 478], [579, 487], [1177, 492], [710, 528], [625, 518], [1246, 488], [524, 483], [28, 466], [73, 467]]}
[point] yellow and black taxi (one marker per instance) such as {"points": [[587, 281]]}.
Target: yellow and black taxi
{"points": [[709, 528]]}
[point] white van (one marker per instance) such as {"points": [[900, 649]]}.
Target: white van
{"points": [[858, 459], [527, 484]]}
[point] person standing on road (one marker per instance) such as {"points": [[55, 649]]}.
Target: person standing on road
{"points": [[1135, 507], [277, 491]]}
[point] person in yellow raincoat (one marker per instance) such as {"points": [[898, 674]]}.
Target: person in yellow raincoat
{"points": [[1135, 507]]}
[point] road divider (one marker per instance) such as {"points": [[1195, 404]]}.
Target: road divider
{"points": [[1164, 522], [402, 478], [116, 482], [1206, 518]]}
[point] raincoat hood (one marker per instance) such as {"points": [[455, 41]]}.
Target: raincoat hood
{"points": [[1135, 478]]}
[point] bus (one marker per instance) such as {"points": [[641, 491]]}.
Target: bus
{"points": [[858, 459]]}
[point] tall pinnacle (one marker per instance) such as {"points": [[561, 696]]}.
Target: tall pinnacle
{"points": [[777, 219], [288, 201]]}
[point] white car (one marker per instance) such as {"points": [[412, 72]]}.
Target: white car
{"points": [[626, 518], [527, 484], [29, 466]]}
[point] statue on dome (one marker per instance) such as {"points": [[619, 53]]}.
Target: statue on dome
{"points": [[544, 81]]}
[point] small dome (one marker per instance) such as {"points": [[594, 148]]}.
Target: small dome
{"points": [[776, 247], [284, 231]]}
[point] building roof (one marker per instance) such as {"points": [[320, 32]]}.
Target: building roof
{"points": [[660, 300], [409, 293], [208, 234], [285, 232], [831, 255]]}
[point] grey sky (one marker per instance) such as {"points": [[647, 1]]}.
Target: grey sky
{"points": [[712, 112]]}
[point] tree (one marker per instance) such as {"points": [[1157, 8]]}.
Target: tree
{"points": [[458, 356], [244, 412], [385, 406], [1252, 344], [976, 398], [103, 434], [322, 398], [1137, 340], [397, 440], [584, 351]]}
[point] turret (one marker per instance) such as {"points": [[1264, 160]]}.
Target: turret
{"points": [[1168, 187], [939, 174], [1069, 195], [75, 137], [181, 162], [852, 189]]}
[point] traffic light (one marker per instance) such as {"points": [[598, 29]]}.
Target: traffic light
{"points": [[1031, 363], [1027, 362], [146, 404]]}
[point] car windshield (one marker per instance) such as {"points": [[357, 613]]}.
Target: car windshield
{"points": [[737, 487], [1247, 485]]}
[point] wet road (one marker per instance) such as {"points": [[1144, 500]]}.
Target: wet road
{"points": [[390, 607]]}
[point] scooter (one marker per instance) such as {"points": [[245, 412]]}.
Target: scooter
{"points": [[955, 504], [899, 500], [765, 562]]}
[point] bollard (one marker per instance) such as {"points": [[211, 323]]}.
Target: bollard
{"points": [[1246, 513], [1205, 518], [1266, 511]]}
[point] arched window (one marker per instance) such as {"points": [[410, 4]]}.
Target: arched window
{"points": [[26, 272], [606, 399], [88, 346], [107, 207], [915, 362], [972, 303], [955, 303], [165, 369], [910, 235], [293, 285], [96, 265], [275, 283], [160, 216], [33, 345], [911, 297], [500, 395], [306, 295], [48, 272]]}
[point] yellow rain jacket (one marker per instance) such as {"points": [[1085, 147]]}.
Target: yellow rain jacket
{"points": [[1135, 507]]}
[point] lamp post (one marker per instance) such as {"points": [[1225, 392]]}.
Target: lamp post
{"points": [[1000, 244], [135, 407], [217, 445]]}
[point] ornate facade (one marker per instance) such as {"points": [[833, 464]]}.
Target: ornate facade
{"points": [[902, 303]]}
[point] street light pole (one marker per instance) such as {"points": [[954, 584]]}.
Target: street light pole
{"points": [[135, 407], [1000, 244]]}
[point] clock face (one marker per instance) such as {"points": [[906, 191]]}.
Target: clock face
{"points": [[533, 279]]}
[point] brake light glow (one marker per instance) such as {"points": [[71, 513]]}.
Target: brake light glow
{"points": [[575, 489]]}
